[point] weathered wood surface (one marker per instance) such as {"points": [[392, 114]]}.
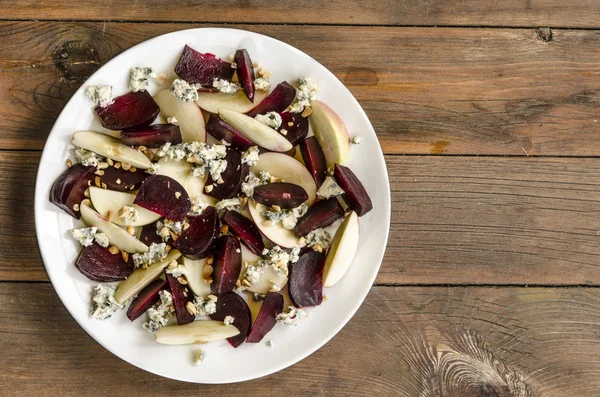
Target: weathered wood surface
{"points": [[426, 90]]}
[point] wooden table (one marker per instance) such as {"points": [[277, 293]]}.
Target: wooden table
{"points": [[489, 115]]}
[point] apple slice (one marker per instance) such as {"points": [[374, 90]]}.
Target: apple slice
{"points": [[117, 236], [342, 250], [256, 131], [180, 171], [69, 188], [188, 114], [201, 331], [105, 200], [277, 101], [331, 132], [238, 102], [110, 147], [194, 269], [273, 231], [134, 109]]}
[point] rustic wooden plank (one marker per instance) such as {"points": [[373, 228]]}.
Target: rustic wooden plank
{"points": [[426, 90], [474, 220], [410, 341], [578, 13]]}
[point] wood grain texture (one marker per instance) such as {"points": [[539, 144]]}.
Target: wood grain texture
{"points": [[578, 13], [408, 342], [426, 90]]}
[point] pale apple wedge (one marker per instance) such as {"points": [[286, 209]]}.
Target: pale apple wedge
{"points": [[201, 331], [342, 250], [194, 273], [140, 278], [331, 133], [268, 277], [180, 171], [238, 102], [188, 114], [271, 230], [110, 147], [117, 236], [109, 202], [256, 131]]}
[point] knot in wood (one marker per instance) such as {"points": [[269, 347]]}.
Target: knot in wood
{"points": [[76, 61]]}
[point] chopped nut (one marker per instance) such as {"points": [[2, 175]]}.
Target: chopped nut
{"points": [[130, 230], [246, 283], [283, 131], [125, 256], [133, 169], [210, 260], [266, 74], [99, 172], [273, 179], [127, 166], [168, 248], [102, 166], [149, 155], [108, 214], [97, 181], [173, 235], [301, 241], [208, 188], [182, 280], [132, 187], [75, 207], [69, 163], [290, 123], [276, 208], [220, 181], [87, 193], [325, 298], [142, 148], [318, 247], [191, 308], [186, 226], [164, 232], [307, 111], [224, 229], [173, 264], [89, 183], [113, 250], [104, 186], [110, 161], [207, 271], [118, 181], [177, 195], [161, 78], [208, 281], [86, 202], [267, 223], [117, 165], [243, 202], [237, 283]]}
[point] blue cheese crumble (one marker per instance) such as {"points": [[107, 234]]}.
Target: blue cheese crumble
{"points": [[253, 181], [209, 158], [158, 315], [288, 218], [356, 140], [153, 168], [270, 119], [252, 274], [262, 84], [103, 304], [129, 214], [155, 253], [278, 259], [139, 78], [88, 158], [198, 206], [250, 156], [230, 204], [87, 235], [184, 91], [101, 95], [270, 343], [228, 320], [172, 120], [306, 92], [318, 239], [199, 356], [205, 307], [225, 86], [329, 189], [291, 316]]}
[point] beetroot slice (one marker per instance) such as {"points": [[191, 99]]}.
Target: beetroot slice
{"points": [[134, 109], [231, 304], [266, 319], [277, 101], [197, 241], [245, 229], [181, 296], [283, 194], [245, 72], [149, 236], [152, 136], [69, 188], [306, 280], [123, 180], [98, 264], [146, 298], [227, 264], [164, 196], [321, 214], [220, 130], [198, 68], [233, 176], [355, 194], [314, 159], [298, 129]]}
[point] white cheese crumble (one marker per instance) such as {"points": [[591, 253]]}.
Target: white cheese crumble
{"points": [[155, 253], [103, 304], [172, 120], [270, 343], [288, 218], [253, 181], [225, 86], [250, 156], [129, 214], [205, 307], [101, 239], [318, 239], [184, 91], [253, 274], [262, 84], [291, 316], [88, 158], [87, 235], [153, 168], [228, 320], [230, 204], [329, 189], [158, 315], [199, 356], [307, 91], [206, 157], [271, 119], [356, 140], [101, 95], [177, 271], [139, 78]]}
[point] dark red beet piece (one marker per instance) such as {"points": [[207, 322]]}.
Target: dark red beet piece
{"points": [[231, 304], [123, 180], [146, 298], [277, 101], [69, 188], [295, 132], [98, 264], [245, 72], [355, 194], [323, 213], [197, 241], [245, 229], [220, 130], [285, 195], [314, 159], [198, 68], [266, 319], [152, 136], [149, 235], [227, 264], [306, 280], [164, 196], [233, 176], [134, 109], [181, 296]]}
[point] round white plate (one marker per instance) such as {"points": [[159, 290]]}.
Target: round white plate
{"points": [[224, 364]]}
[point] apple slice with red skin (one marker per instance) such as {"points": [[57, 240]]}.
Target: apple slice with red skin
{"points": [[355, 195], [202, 68], [189, 116], [110, 147], [152, 136], [181, 296], [274, 231], [298, 129], [123, 180], [197, 241], [146, 299], [314, 159], [231, 304], [134, 109], [342, 250], [331, 132], [245, 72], [164, 196], [213, 101], [245, 229], [69, 188], [322, 214], [110, 202], [259, 133], [267, 317], [283, 194], [227, 264], [233, 176], [305, 284], [98, 264], [278, 100], [220, 130]]}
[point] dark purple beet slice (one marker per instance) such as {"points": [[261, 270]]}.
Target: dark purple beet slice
{"points": [[181, 296], [220, 130], [134, 109], [266, 319], [285, 195], [306, 280], [314, 159], [164, 196], [321, 214], [277, 101], [123, 180], [152, 136], [245, 229], [149, 235], [198, 68], [298, 129], [245, 72], [231, 304], [197, 241], [227, 264], [69, 188], [146, 298], [233, 177], [98, 264], [355, 194]]}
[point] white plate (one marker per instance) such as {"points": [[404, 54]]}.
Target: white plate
{"points": [[224, 364]]}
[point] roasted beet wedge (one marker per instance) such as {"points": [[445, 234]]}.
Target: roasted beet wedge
{"points": [[149, 236], [245, 72], [266, 319], [295, 127], [233, 176], [220, 130], [69, 188], [197, 241], [356, 196], [306, 280], [227, 264], [198, 68], [134, 109], [321, 214], [181, 296], [231, 304], [164, 196], [283, 194], [98, 264], [277, 101], [245, 229], [146, 298], [152, 136], [123, 180], [314, 159]]}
